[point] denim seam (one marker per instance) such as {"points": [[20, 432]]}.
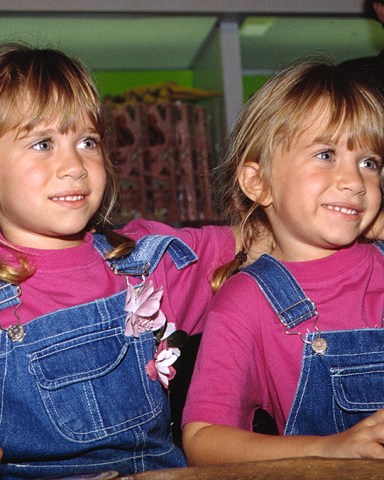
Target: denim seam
{"points": [[36, 360], [296, 296], [301, 387], [94, 408], [31, 467]]}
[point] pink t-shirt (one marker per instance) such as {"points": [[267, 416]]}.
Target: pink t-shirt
{"points": [[246, 361], [72, 276]]}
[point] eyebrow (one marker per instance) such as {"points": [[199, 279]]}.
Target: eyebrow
{"points": [[49, 132]]}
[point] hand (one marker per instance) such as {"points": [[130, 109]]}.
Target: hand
{"points": [[363, 440]]}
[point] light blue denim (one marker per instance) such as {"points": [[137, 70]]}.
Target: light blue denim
{"points": [[74, 394], [339, 387]]}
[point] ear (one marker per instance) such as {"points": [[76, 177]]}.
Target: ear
{"points": [[253, 185]]}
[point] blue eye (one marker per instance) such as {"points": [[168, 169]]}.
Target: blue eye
{"points": [[370, 163], [325, 155], [89, 143], [42, 145]]}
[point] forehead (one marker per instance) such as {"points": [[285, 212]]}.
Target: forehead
{"points": [[29, 109], [28, 118], [323, 124]]}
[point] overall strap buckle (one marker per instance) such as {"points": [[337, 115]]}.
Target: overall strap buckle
{"points": [[9, 295], [282, 291]]}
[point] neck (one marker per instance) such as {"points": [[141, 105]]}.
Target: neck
{"points": [[304, 253]]}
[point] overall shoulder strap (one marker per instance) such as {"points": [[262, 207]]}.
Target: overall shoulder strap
{"points": [[380, 246], [9, 295], [282, 291], [142, 261], [147, 254]]}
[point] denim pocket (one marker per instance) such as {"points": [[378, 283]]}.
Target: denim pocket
{"points": [[357, 392], [95, 384]]}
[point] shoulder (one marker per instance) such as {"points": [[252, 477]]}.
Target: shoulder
{"points": [[371, 253], [239, 297]]}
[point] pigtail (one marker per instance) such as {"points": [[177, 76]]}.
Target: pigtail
{"points": [[122, 245], [254, 231], [15, 274], [225, 271], [222, 273]]}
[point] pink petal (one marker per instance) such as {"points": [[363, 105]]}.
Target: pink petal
{"points": [[164, 380], [151, 370], [130, 302], [148, 309], [150, 306], [161, 355], [162, 369], [171, 327], [167, 362], [159, 321], [172, 373], [145, 292], [128, 329]]}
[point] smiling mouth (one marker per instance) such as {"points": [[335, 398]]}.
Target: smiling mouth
{"points": [[347, 211], [69, 198]]}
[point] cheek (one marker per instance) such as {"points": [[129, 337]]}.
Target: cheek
{"points": [[375, 192], [376, 185], [100, 177], [27, 181]]}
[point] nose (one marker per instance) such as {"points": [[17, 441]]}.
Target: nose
{"points": [[351, 178], [71, 165]]}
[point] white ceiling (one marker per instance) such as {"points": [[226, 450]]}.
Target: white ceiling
{"points": [[121, 42]]}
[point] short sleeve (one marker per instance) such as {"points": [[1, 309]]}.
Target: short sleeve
{"points": [[226, 383]]}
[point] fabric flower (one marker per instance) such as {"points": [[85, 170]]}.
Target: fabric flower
{"points": [[161, 365], [143, 310]]}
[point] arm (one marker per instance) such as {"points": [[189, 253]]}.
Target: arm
{"points": [[232, 378], [187, 292], [138, 228], [213, 444]]}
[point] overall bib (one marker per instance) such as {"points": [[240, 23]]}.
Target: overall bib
{"points": [[342, 373], [74, 393]]}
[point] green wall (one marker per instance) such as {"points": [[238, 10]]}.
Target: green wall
{"points": [[251, 83], [116, 83]]}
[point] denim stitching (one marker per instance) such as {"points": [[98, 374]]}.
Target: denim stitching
{"points": [[267, 268]]}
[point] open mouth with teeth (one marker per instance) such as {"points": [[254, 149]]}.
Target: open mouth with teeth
{"points": [[70, 198], [347, 211]]}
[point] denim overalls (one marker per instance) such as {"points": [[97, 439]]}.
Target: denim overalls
{"points": [[74, 393], [342, 372]]}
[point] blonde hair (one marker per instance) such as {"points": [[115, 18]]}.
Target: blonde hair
{"points": [[274, 116], [57, 88]]}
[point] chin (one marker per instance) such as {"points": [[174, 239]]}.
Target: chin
{"points": [[338, 244]]}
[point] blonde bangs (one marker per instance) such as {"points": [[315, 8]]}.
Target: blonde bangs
{"points": [[45, 86], [355, 110], [58, 104]]}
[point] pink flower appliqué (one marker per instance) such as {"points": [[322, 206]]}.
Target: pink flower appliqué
{"points": [[143, 310], [161, 365]]}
